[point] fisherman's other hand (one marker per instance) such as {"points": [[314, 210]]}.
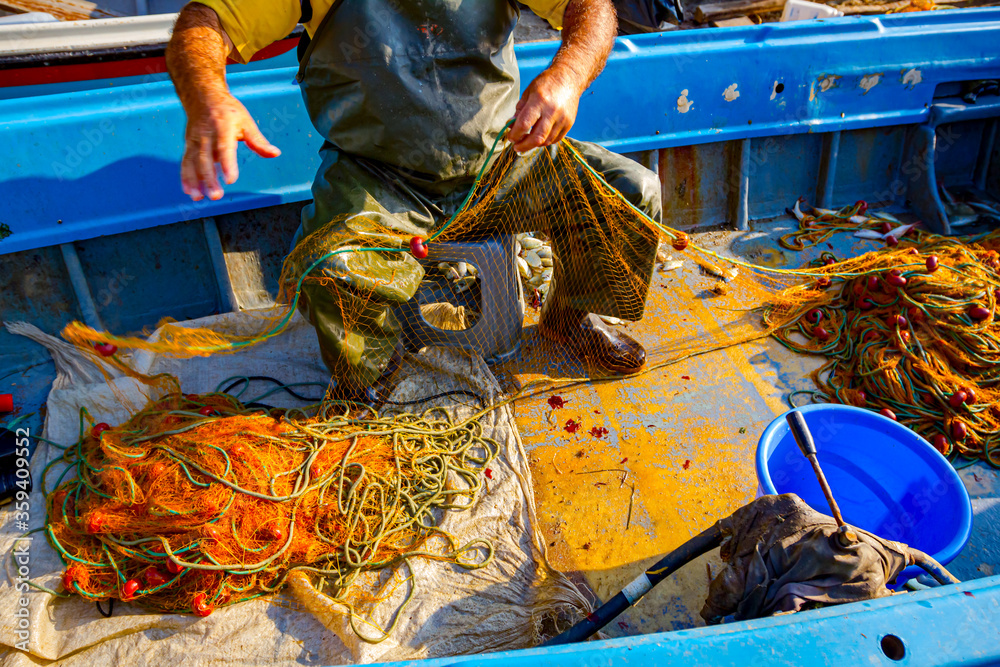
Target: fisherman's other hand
{"points": [[547, 109], [214, 130]]}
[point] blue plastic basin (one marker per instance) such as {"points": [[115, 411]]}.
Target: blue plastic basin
{"points": [[886, 478]]}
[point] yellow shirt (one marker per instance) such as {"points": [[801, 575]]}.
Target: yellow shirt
{"points": [[253, 24]]}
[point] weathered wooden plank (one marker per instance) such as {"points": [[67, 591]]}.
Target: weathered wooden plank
{"points": [[733, 23], [870, 9], [64, 10], [715, 11]]}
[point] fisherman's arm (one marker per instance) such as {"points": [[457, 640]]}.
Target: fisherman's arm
{"points": [[547, 109], [216, 121]]}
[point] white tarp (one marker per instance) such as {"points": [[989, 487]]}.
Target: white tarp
{"points": [[454, 611]]}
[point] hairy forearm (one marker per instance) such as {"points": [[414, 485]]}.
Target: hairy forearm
{"points": [[547, 108], [216, 121], [196, 56], [589, 28]]}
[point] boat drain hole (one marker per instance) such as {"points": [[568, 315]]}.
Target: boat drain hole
{"points": [[893, 647], [779, 87]]}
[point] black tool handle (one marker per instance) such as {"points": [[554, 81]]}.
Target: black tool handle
{"points": [[800, 431], [607, 612]]}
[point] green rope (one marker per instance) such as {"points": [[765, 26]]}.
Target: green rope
{"points": [[429, 452]]}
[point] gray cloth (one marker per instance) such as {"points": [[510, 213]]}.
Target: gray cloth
{"points": [[782, 555], [515, 602]]}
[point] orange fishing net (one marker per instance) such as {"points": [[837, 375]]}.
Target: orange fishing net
{"points": [[197, 502], [908, 331]]}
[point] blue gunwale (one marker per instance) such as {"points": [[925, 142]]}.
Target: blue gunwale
{"points": [[83, 164]]}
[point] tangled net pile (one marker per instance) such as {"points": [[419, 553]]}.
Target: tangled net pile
{"points": [[197, 502], [909, 331]]}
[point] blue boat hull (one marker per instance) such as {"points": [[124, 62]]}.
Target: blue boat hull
{"points": [[742, 121]]}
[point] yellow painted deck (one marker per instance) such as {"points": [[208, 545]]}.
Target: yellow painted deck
{"points": [[680, 443]]}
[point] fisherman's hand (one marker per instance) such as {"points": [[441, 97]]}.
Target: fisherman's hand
{"points": [[547, 109], [214, 129]]}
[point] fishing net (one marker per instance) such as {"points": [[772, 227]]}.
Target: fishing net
{"points": [[393, 585], [244, 498], [908, 331], [192, 513]]}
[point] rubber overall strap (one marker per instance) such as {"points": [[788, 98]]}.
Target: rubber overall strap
{"points": [[305, 17]]}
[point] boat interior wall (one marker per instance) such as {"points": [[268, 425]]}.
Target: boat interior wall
{"points": [[788, 120]]}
